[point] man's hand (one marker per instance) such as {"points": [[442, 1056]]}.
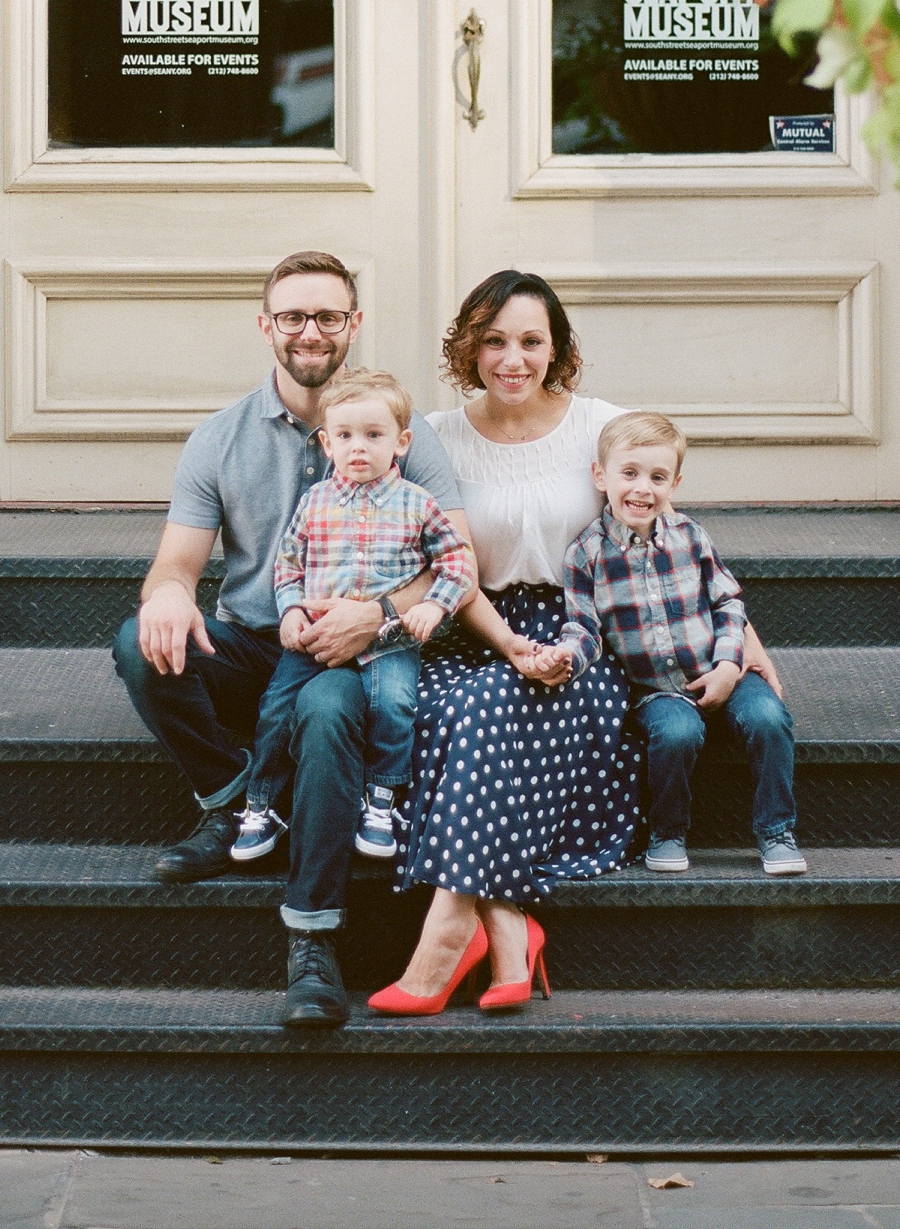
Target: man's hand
{"points": [[421, 620], [293, 623], [711, 690], [165, 621], [344, 630]]}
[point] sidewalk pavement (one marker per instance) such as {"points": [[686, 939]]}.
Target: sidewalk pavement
{"points": [[89, 1190]]}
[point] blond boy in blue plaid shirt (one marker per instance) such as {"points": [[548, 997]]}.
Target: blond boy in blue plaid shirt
{"points": [[648, 582]]}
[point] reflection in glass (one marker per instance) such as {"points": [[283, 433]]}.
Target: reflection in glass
{"points": [[144, 73], [672, 77]]}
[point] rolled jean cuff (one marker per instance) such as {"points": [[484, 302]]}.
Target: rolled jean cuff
{"points": [[323, 919], [769, 831], [235, 787]]}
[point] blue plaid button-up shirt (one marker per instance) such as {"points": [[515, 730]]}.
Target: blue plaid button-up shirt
{"points": [[668, 608]]}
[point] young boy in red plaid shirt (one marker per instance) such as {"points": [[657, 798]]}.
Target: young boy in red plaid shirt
{"points": [[361, 534], [648, 582]]}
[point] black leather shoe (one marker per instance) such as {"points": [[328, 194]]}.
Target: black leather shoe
{"points": [[205, 853], [315, 993]]}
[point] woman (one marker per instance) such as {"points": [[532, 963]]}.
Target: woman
{"points": [[518, 780]]}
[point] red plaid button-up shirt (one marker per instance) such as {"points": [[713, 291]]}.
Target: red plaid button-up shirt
{"points": [[363, 540]]}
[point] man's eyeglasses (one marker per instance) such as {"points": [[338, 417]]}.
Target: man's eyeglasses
{"points": [[292, 323]]}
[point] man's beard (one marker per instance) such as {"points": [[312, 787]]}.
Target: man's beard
{"points": [[315, 372]]}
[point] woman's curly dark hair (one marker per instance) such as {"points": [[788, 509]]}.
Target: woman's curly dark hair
{"points": [[479, 310]]}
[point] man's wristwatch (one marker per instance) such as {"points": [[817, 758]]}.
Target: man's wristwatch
{"points": [[392, 628]]}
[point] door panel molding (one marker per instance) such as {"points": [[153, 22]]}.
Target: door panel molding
{"points": [[31, 166], [33, 412], [536, 172], [852, 289]]}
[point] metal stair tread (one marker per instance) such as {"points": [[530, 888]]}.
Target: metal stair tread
{"points": [[573, 1021], [867, 536], [104, 876], [785, 542], [69, 704]]}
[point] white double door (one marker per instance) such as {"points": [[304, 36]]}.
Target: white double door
{"points": [[738, 293]]}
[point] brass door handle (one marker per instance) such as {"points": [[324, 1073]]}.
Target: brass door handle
{"points": [[472, 30]]}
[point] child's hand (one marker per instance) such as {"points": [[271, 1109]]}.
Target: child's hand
{"points": [[292, 624], [555, 664], [421, 620], [711, 690], [550, 664]]}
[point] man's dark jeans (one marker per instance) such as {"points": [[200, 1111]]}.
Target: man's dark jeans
{"points": [[675, 731], [191, 714]]}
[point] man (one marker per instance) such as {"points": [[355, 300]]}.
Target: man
{"points": [[194, 679]]}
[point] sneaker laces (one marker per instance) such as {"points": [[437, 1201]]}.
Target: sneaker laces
{"points": [[784, 838], [378, 817], [255, 821]]}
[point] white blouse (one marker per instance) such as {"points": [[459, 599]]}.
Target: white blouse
{"points": [[526, 502]]}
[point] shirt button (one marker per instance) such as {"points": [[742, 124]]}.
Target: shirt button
{"points": [[360, 555], [654, 597], [670, 661], [310, 470], [356, 592]]}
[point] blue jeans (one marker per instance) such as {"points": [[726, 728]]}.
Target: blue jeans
{"points": [[389, 684], [675, 731], [192, 713]]}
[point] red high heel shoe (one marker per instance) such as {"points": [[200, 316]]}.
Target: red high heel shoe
{"points": [[512, 993], [396, 1002]]}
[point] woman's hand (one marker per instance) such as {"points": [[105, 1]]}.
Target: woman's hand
{"points": [[758, 660], [550, 664]]}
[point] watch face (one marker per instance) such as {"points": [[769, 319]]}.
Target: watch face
{"points": [[391, 630]]}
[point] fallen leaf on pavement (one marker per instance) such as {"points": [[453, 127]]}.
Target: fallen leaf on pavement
{"points": [[597, 1158], [498, 1179], [667, 1184]]}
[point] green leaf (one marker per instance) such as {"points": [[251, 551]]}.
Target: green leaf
{"points": [[792, 17], [863, 14], [839, 54], [891, 17]]}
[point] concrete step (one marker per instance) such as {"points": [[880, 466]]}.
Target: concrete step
{"points": [[812, 576], [587, 1071], [95, 916], [77, 764]]}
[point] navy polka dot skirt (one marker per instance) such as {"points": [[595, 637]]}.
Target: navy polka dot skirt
{"points": [[516, 784]]}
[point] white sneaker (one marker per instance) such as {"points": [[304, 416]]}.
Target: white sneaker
{"points": [[259, 833], [375, 837], [780, 855]]}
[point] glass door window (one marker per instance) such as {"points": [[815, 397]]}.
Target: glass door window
{"points": [[680, 77], [189, 73]]}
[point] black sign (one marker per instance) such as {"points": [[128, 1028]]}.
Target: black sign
{"points": [[191, 72], [803, 134]]}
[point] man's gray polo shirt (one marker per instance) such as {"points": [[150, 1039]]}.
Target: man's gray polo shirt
{"points": [[244, 471]]}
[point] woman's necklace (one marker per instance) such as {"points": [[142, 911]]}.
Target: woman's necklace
{"points": [[516, 439]]}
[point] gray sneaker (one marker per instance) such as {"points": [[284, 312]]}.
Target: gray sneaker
{"points": [[780, 855], [668, 855]]}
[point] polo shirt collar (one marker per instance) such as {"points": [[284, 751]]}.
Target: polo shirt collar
{"points": [[273, 407], [378, 490]]}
